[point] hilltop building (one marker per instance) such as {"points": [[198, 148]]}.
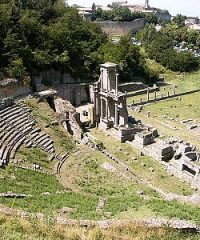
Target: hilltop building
{"points": [[162, 15], [195, 27]]}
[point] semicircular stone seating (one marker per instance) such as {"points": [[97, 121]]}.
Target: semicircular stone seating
{"points": [[17, 127]]}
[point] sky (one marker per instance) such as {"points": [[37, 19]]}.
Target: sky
{"points": [[185, 7]]}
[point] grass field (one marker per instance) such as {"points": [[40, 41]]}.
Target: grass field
{"points": [[20, 229], [187, 107], [167, 115], [183, 82], [141, 165]]}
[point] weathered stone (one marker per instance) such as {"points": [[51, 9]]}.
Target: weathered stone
{"points": [[140, 192], [151, 169]]}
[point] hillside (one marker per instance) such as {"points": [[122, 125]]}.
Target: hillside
{"points": [[23, 229], [87, 174], [118, 164]]}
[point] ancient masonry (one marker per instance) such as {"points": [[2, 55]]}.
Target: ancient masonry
{"points": [[17, 128], [110, 114], [116, 28], [110, 111], [110, 107], [67, 115], [69, 118]]}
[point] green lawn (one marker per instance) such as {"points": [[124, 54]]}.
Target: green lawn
{"points": [[141, 165], [32, 155], [187, 107], [185, 82]]}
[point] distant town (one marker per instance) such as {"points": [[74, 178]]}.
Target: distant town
{"points": [[86, 12]]}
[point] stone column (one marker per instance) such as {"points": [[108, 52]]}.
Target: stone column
{"points": [[116, 115], [95, 105], [107, 109], [101, 79], [148, 94], [117, 80], [108, 87], [101, 108], [155, 93]]}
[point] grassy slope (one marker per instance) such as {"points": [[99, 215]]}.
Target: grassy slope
{"points": [[141, 164], [18, 229], [84, 173], [45, 115]]}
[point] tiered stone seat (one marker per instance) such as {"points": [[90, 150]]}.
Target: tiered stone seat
{"points": [[42, 141], [17, 128]]}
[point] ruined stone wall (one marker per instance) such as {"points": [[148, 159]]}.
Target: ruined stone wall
{"points": [[6, 102], [132, 86], [115, 28], [69, 118], [14, 91], [56, 77], [74, 90], [77, 94]]}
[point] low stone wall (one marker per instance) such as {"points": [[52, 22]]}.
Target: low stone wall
{"points": [[14, 91], [132, 86], [116, 28], [166, 96]]}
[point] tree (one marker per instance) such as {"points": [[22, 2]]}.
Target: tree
{"points": [[198, 41], [94, 9], [122, 14], [47, 34], [127, 56], [151, 18], [179, 20], [192, 36], [147, 35], [16, 68]]}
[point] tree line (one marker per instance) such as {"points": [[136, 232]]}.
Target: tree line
{"points": [[44, 34], [121, 14], [159, 46]]}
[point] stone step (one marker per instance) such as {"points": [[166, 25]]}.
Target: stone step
{"points": [[8, 109]]}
